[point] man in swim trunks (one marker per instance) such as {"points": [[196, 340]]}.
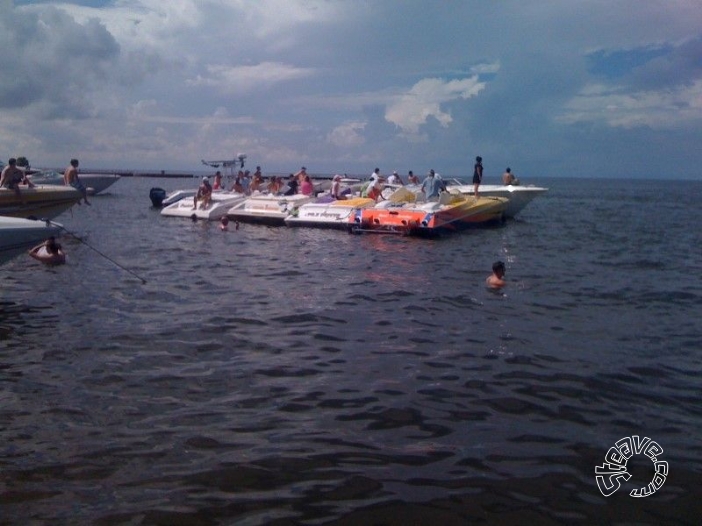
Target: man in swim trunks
{"points": [[70, 177]]}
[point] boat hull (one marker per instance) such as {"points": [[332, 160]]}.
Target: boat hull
{"points": [[518, 196], [94, 183], [267, 209], [335, 214], [44, 202], [432, 218], [18, 235], [219, 205]]}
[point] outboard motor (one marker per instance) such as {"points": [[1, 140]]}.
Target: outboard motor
{"points": [[157, 195]]}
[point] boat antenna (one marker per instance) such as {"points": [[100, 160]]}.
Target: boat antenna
{"points": [[74, 236]]}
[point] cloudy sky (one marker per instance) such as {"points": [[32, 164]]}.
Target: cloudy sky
{"points": [[587, 88]]}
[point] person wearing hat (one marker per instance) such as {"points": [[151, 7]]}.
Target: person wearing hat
{"points": [[477, 175], [375, 188], [204, 194], [395, 179]]}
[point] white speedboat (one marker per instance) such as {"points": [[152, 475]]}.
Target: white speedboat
{"points": [[44, 202], [94, 183], [328, 214], [268, 209], [220, 203], [18, 235], [159, 197], [517, 196]]}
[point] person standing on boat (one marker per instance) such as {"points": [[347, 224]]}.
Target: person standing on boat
{"points": [[375, 187], [477, 175], [394, 178], [70, 177], [246, 182], [431, 186], [496, 279], [411, 178], [217, 181]]}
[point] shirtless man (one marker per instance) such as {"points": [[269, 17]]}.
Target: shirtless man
{"points": [[70, 177], [495, 280], [508, 178]]}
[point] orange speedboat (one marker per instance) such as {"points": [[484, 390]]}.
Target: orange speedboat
{"points": [[452, 212]]}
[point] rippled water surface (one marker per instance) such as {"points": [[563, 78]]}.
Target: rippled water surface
{"points": [[293, 376]]}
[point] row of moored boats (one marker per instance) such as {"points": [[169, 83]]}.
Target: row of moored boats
{"points": [[401, 209]]}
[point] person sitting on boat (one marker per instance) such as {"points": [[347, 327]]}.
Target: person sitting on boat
{"points": [[292, 185], [256, 180], [300, 176], [217, 181], [432, 186], [204, 194], [307, 188], [49, 252], [495, 280], [238, 186], [335, 190], [70, 177], [12, 177], [508, 178], [274, 185]]}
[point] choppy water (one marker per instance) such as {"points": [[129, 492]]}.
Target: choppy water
{"points": [[294, 376]]}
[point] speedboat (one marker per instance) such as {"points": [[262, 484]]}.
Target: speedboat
{"points": [[94, 183], [17, 235], [45, 202], [328, 214], [220, 203], [270, 209], [452, 212], [518, 196], [159, 197]]}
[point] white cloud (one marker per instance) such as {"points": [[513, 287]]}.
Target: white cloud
{"points": [[241, 79], [424, 100], [347, 135], [654, 109]]}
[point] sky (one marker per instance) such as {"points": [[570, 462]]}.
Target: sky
{"points": [[576, 88]]}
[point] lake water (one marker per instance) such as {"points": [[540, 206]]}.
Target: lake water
{"points": [[298, 376]]}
